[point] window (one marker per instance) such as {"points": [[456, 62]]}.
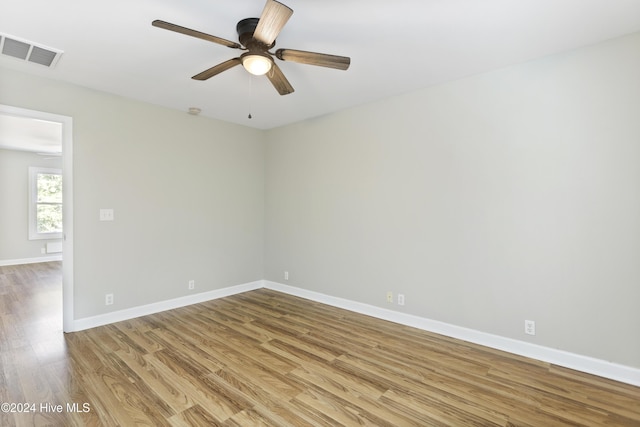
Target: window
{"points": [[45, 203]]}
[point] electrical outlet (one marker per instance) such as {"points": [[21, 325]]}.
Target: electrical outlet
{"points": [[390, 296], [286, 275], [108, 299], [529, 327], [192, 284], [400, 299], [106, 214]]}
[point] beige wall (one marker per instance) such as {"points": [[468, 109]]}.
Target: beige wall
{"points": [[14, 205], [187, 193], [505, 196]]}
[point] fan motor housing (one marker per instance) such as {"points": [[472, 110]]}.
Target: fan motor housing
{"points": [[245, 29], [247, 25]]}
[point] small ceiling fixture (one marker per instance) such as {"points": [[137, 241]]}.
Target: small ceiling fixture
{"points": [[194, 111]]}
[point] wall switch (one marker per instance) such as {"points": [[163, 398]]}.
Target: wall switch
{"points": [[108, 299], [192, 284], [286, 275], [106, 214], [400, 299], [529, 327], [389, 296]]}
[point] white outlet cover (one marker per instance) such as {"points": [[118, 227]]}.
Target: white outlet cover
{"points": [[106, 214], [529, 327]]}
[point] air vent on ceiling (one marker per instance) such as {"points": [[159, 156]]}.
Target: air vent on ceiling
{"points": [[28, 51]]}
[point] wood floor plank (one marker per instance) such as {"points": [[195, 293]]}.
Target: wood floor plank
{"points": [[198, 390], [345, 392], [175, 398], [194, 416], [263, 358], [269, 402], [438, 392]]}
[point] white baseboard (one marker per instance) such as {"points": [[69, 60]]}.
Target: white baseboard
{"points": [[144, 310], [48, 258], [602, 368]]}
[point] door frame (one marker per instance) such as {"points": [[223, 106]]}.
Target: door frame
{"points": [[67, 203]]}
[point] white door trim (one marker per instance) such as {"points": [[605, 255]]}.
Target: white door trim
{"points": [[67, 203]]}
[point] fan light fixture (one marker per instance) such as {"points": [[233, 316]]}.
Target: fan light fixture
{"points": [[256, 37], [256, 63]]}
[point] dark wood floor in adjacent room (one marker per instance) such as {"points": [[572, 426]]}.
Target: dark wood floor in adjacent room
{"points": [[263, 358]]}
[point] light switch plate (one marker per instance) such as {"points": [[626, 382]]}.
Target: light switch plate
{"points": [[106, 214]]}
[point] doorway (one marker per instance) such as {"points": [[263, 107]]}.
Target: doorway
{"points": [[66, 123]]}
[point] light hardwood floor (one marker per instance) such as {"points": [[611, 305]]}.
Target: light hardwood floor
{"points": [[264, 358]]}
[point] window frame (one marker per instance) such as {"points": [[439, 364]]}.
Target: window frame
{"points": [[33, 203]]}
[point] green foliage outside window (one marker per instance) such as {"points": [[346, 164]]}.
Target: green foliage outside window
{"points": [[49, 203]]}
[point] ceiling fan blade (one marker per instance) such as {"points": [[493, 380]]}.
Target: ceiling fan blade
{"points": [[313, 58], [193, 33], [273, 18], [224, 66], [279, 81]]}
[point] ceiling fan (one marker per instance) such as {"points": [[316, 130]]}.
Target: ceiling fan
{"points": [[257, 36]]}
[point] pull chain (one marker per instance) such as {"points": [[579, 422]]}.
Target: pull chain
{"points": [[250, 94]]}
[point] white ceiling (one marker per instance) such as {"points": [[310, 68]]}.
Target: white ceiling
{"points": [[27, 134], [395, 47]]}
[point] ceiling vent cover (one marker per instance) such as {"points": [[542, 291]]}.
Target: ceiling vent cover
{"points": [[28, 51]]}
